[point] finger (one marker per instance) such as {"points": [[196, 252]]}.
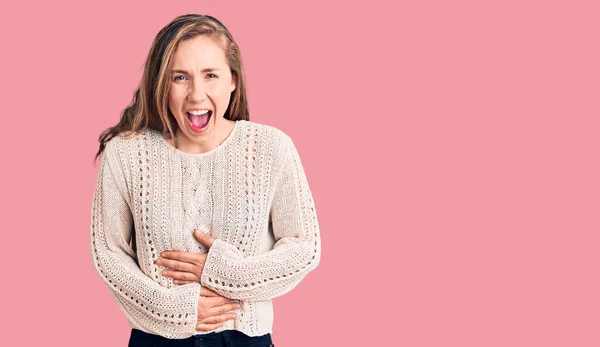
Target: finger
{"points": [[215, 301], [183, 282], [219, 319], [207, 292], [203, 238], [181, 275], [176, 265], [219, 310], [208, 327], [187, 257]]}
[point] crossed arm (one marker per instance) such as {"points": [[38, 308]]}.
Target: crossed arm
{"points": [[154, 308]]}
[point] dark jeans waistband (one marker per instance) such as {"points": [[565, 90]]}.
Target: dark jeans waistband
{"points": [[224, 338]]}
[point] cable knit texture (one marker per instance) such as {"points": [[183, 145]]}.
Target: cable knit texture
{"points": [[250, 193]]}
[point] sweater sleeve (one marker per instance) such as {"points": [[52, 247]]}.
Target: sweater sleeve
{"points": [[296, 252], [170, 312]]}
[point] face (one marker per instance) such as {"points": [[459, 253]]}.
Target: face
{"points": [[200, 89]]}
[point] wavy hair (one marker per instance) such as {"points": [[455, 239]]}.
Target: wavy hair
{"points": [[149, 107]]}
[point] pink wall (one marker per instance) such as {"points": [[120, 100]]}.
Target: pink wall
{"points": [[451, 147]]}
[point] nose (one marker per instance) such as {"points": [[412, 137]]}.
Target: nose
{"points": [[196, 93]]}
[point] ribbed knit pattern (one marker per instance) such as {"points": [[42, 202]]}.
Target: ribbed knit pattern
{"points": [[250, 193]]}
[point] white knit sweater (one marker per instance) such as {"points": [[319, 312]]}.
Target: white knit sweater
{"points": [[250, 193]]}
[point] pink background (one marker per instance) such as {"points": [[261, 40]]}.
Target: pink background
{"points": [[452, 149]]}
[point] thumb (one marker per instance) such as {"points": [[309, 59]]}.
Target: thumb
{"points": [[203, 238]]}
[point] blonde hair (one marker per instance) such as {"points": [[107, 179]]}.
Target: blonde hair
{"points": [[149, 107]]}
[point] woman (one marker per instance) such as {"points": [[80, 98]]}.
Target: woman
{"points": [[200, 217]]}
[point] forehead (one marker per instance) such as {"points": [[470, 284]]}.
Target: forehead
{"points": [[199, 52]]}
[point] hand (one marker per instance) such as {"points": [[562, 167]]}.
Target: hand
{"points": [[213, 310], [185, 267]]}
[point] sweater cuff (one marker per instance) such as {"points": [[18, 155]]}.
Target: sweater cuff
{"points": [[217, 262]]}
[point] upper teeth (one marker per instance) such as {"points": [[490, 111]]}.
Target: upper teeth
{"points": [[198, 112]]}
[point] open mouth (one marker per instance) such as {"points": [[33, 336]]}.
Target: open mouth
{"points": [[199, 122]]}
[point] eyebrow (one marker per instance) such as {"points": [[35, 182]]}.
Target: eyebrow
{"points": [[187, 73]]}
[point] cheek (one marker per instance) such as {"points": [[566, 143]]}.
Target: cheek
{"points": [[175, 95], [219, 93], [172, 98], [175, 105]]}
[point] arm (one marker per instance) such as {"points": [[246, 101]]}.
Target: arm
{"points": [[297, 250], [171, 312]]}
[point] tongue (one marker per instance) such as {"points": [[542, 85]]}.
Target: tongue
{"points": [[199, 121]]}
